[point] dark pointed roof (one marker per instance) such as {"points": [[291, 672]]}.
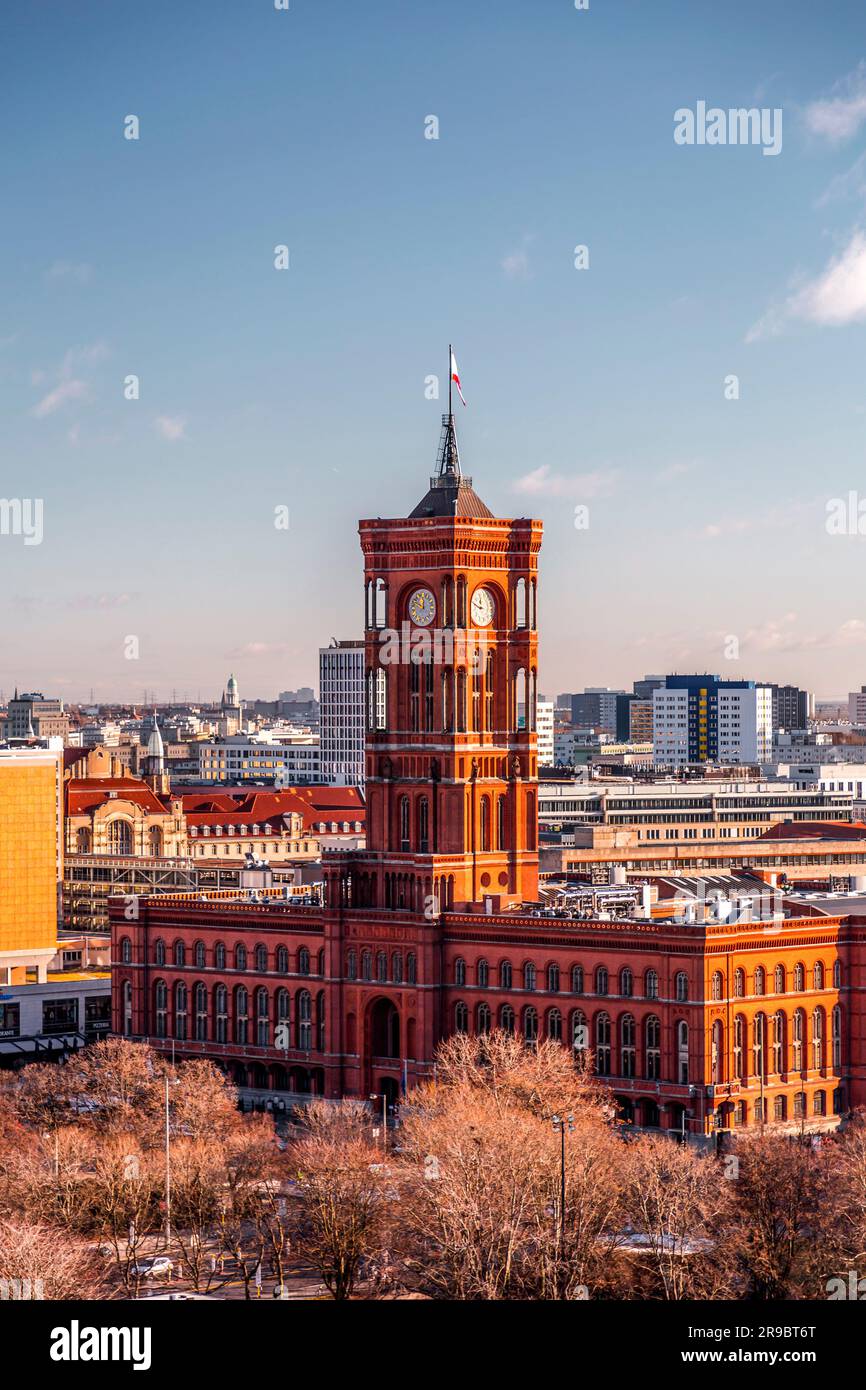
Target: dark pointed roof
{"points": [[450, 494]]}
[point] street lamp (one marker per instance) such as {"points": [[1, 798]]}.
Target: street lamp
{"points": [[168, 1083], [562, 1124], [384, 1099]]}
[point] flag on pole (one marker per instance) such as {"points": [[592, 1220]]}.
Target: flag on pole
{"points": [[455, 376]]}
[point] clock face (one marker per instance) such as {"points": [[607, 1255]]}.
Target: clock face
{"points": [[481, 608], [422, 608]]}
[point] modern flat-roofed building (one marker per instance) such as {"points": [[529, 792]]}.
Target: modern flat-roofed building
{"points": [[341, 713]]}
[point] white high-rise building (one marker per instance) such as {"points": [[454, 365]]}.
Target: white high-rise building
{"points": [[857, 707], [745, 724], [341, 714], [544, 730]]}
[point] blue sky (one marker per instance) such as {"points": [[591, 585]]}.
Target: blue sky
{"points": [[603, 387]]}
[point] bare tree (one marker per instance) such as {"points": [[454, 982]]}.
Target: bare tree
{"points": [[341, 1194], [39, 1261]]}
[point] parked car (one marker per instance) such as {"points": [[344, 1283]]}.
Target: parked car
{"points": [[160, 1265]]}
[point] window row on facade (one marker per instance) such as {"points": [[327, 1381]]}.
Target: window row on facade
{"points": [[222, 1015], [552, 979], [778, 979], [241, 957]]}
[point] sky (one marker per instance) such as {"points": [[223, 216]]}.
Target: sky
{"points": [[711, 536]]}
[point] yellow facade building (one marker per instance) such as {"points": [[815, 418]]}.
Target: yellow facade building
{"points": [[31, 861]]}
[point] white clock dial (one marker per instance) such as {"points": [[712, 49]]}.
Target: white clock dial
{"points": [[481, 608], [422, 608]]}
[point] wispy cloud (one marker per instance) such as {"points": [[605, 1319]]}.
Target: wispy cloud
{"points": [[101, 602], [837, 296], [71, 385], [777, 518], [78, 274], [170, 427], [672, 471], [851, 184], [515, 264], [260, 649], [837, 117], [786, 634], [542, 482], [71, 390]]}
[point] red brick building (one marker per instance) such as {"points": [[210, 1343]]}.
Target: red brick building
{"points": [[432, 927]]}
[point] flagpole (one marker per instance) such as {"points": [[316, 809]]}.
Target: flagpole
{"points": [[450, 358]]}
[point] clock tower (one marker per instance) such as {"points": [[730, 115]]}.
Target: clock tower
{"points": [[451, 690]]}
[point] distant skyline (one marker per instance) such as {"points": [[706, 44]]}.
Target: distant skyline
{"points": [[605, 387]]}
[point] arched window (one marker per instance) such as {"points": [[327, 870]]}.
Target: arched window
{"points": [[221, 1012], [282, 1039], [461, 1018], [240, 957], [199, 955], [500, 822], [740, 1070], [837, 974], [160, 1008], [283, 960], [411, 968], [577, 979], [627, 1045], [626, 983], [424, 822], [483, 1020], [460, 972], [799, 978], [530, 1024], [485, 823], [716, 985], [818, 974], [397, 967], [179, 953], [601, 980], [461, 601], [154, 841], [836, 1034], [579, 1031], [120, 837], [602, 1044], [200, 1008], [739, 983], [682, 986], [261, 959], [760, 980], [653, 1048], [779, 979], [505, 974], [126, 951], [819, 1103], [381, 967], [482, 974], [553, 978], [683, 1052], [778, 1043], [554, 1025], [818, 1039], [800, 1105], [159, 951], [366, 965], [303, 961], [82, 841], [242, 1006], [180, 1011], [798, 1029], [263, 1026], [404, 818], [303, 1020], [759, 1045], [506, 1018], [529, 975], [779, 1108], [320, 1021], [520, 603], [219, 956], [651, 985]]}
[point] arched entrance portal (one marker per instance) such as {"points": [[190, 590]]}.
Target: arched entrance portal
{"points": [[384, 1029]]}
